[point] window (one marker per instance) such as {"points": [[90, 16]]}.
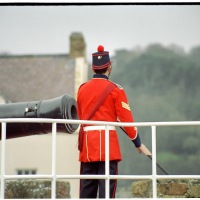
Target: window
{"points": [[26, 171]]}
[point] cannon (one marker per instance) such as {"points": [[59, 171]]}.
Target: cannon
{"points": [[63, 107]]}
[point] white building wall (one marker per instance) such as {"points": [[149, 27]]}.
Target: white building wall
{"points": [[2, 100], [81, 73], [34, 152]]}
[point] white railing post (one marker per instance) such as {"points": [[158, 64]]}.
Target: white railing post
{"points": [[3, 152], [53, 182], [107, 170], [107, 175], [154, 169]]}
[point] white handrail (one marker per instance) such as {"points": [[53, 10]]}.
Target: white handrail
{"points": [[53, 177], [69, 121]]}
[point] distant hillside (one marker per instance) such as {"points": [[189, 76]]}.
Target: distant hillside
{"points": [[162, 84]]}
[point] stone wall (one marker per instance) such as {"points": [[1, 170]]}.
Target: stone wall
{"points": [[168, 188], [29, 189]]}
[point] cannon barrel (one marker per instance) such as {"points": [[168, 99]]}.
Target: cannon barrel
{"points": [[63, 107]]}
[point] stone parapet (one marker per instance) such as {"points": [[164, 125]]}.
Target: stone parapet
{"points": [[167, 188], [29, 189]]}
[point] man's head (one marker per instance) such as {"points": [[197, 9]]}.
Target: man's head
{"points": [[101, 61]]}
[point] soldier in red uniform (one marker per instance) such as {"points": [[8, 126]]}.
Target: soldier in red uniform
{"points": [[114, 108]]}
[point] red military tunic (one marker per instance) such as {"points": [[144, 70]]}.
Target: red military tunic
{"points": [[114, 108]]}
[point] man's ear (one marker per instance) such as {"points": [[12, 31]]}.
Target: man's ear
{"points": [[110, 68]]}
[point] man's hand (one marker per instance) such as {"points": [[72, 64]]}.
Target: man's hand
{"points": [[143, 149]]}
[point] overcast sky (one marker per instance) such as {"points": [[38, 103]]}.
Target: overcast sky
{"points": [[46, 29]]}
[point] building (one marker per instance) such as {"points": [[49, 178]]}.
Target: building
{"points": [[25, 78]]}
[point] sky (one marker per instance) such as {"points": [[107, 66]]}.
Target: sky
{"points": [[46, 29]]}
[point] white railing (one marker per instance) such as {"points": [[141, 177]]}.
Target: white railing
{"points": [[53, 177]]}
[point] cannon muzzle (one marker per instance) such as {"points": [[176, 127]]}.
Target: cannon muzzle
{"points": [[63, 107]]}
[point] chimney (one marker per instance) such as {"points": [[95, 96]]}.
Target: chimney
{"points": [[77, 53], [77, 45]]}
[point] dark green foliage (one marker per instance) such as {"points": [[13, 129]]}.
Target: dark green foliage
{"points": [[162, 84]]}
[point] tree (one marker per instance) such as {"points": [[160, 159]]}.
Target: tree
{"points": [[162, 84]]}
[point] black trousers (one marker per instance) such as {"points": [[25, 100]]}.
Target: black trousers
{"points": [[90, 187]]}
